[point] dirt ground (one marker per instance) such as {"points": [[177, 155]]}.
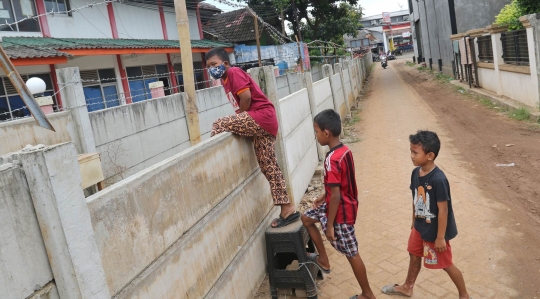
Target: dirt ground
{"points": [[484, 133]]}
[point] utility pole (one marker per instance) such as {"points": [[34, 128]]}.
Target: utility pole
{"points": [[192, 112], [257, 35]]}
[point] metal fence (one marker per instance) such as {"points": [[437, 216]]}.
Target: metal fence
{"points": [[515, 47], [485, 49]]}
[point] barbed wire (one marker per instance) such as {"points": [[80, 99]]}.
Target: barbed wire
{"points": [[52, 13]]}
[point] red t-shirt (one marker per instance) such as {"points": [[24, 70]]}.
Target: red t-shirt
{"points": [[261, 109], [339, 172]]}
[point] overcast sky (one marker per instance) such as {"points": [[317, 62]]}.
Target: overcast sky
{"points": [[371, 7]]}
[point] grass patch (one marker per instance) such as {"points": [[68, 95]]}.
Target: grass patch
{"points": [[442, 78], [410, 63], [421, 68], [521, 114], [487, 102]]}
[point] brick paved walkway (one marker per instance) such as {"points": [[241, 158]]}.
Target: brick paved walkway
{"points": [[390, 113]]}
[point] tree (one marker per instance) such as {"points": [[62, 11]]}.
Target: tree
{"points": [[312, 15], [509, 16], [529, 6]]}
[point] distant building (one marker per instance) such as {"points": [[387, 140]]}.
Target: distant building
{"points": [[434, 23], [380, 34]]}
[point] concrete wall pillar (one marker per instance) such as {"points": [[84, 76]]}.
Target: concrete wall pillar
{"points": [[339, 69], [71, 90], [54, 181], [307, 82], [532, 23], [496, 44]]}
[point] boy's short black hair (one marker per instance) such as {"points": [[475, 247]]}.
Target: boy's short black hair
{"points": [[329, 120], [219, 52], [429, 140]]}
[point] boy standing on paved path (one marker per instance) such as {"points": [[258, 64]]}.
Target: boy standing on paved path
{"points": [[255, 117], [433, 224], [336, 209]]}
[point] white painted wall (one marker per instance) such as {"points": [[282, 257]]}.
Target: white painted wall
{"points": [[131, 22], [136, 22], [142, 60], [519, 87], [488, 79], [323, 95], [87, 23], [85, 63], [172, 30]]}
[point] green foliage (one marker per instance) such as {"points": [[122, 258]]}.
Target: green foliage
{"points": [[345, 20], [529, 6], [442, 78], [509, 16], [410, 63]]}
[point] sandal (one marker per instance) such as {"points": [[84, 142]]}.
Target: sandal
{"points": [[281, 222], [389, 290], [354, 297], [312, 257]]}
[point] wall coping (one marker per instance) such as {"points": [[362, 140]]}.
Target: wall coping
{"points": [[486, 65], [477, 32], [525, 21], [520, 69], [31, 119], [496, 28], [457, 36]]}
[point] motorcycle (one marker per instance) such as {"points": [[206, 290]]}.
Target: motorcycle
{"points": [[384, 63]]}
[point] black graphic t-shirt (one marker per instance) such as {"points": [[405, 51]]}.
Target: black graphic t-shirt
{"points": [[426, 192]]}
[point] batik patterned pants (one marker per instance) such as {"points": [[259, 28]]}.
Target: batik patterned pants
{"points": [[264, 143]]}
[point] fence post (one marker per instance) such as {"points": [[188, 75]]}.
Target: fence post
{"points": [[54, 181], [338, 69], [532, 24], [328, 73], [71, 90], [267, 82], [495, 31], [347, 66], [307, 82]]}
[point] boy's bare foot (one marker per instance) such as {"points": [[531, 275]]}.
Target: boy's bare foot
{"points": [[399, 290]]}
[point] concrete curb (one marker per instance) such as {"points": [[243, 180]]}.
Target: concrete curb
{"points": [[509, 104]]}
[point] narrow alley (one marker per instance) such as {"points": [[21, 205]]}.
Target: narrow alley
{"points": [[494, 242]]}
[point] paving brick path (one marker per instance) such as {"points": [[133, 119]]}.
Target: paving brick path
{"points": [[390, 112]]}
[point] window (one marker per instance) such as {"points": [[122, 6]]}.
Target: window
{"points": [[59, 6], [15, 10], [515, 48], [139, 86], [11, 104], [99, 88], [200, 83], [485, 49]]}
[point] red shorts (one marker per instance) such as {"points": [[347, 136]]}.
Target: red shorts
{"points": [[432, 258]]}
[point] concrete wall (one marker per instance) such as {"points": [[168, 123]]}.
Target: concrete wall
{"points": [[488, 79], [519, 87], [316, 72], [476, 14], [282, 86], [213, 104], [133, 137], [141, 222], [299, 140], [24, 266], [294, 85], [323, 95], [15, 135], [86, 23]]}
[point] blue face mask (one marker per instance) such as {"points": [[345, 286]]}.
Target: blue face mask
{"points": [[217, 71]]}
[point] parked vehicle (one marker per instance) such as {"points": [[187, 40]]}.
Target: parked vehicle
{"points": [[391, 57]]}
